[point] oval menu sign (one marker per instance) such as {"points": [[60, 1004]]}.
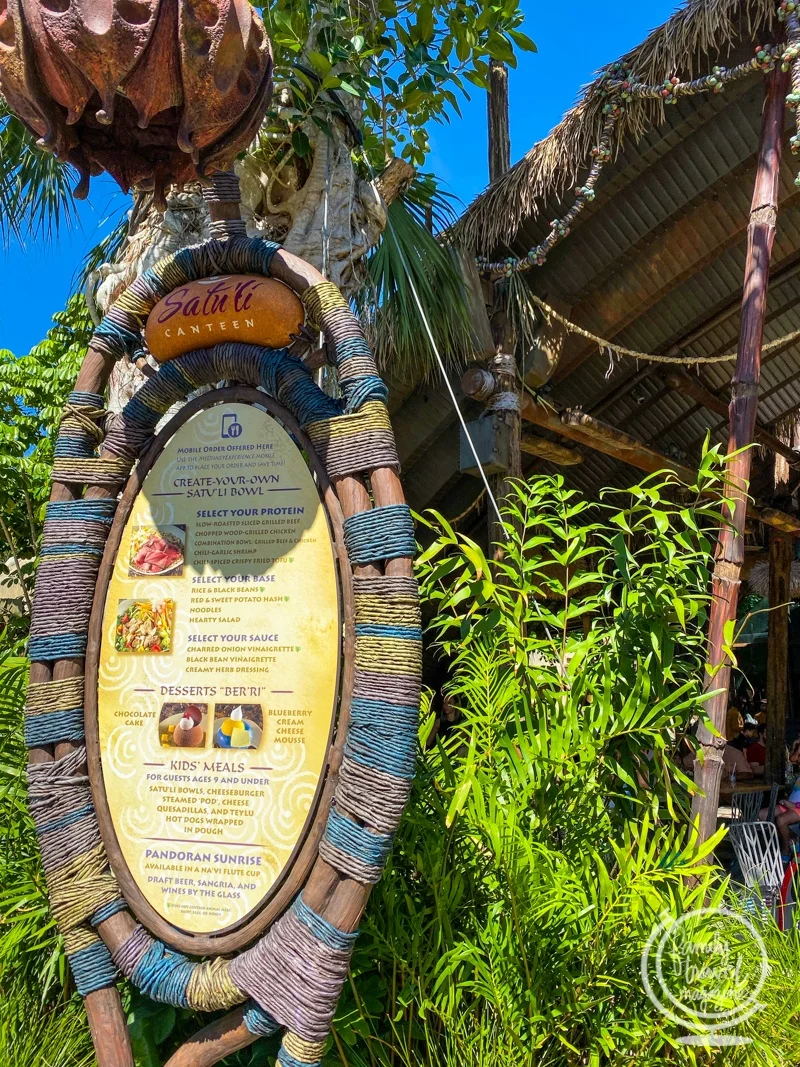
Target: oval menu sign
{"points": [[218, 668]]}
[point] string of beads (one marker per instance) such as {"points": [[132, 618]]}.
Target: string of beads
{"points": [[618, 86]]}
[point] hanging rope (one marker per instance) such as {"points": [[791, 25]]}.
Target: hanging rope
{"points": [[620, 350]]}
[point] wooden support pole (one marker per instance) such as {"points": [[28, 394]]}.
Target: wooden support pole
{"points": [[506, 402], [497, 119], [744, 405], [506, 416], [780, 579]]}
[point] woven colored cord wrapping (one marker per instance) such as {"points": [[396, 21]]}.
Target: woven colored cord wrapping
{"points": [[354, 443], [75, 532], [172, 978], [295, 973], [382, 533], [79, 881]]}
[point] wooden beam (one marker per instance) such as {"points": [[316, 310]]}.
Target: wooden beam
{"points": [[594, 433], [726, 580], [688, 385], [534, 445], [780, 580], [621, 445]]}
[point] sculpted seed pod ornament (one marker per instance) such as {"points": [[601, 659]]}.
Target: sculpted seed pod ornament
{"points": [[150, 90]]}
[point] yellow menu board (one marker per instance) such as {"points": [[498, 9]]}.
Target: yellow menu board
{"points": [[218, 669]]}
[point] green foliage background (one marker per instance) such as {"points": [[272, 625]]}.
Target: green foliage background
{"points": [[546, 835]]}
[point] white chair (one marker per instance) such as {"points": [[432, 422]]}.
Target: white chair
{"points": [[759, 854], [745, 806]]}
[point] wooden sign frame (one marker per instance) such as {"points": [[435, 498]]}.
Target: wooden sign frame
{"points": [[298, 866], [93, 462]]}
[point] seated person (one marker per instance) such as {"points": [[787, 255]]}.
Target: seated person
{"points": [[787, 812], [733, 723], [734, 760], [748, 735], [756, 754]]}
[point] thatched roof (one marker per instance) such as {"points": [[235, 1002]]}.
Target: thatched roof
{"points": [[655, 264], [700, 34]]}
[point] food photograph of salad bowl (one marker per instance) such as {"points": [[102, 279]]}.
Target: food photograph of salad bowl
{"points": [[144, 626]]}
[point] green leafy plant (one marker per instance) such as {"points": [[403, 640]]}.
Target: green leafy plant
{"points": [[409, 62], [547, 833], [410, 264], [33, 391], [35, 189]]}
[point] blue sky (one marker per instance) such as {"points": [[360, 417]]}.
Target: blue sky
{"points": [[38, 277]]}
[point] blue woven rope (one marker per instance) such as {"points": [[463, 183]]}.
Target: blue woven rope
{"points": [[357, 841], [383, 736], [142, 413], [352, 347], [72, 549], [83, 510], [53, 726], [286, 1059], [372, 629], [377, 715], [118, 337], [360, 391], [163, 975], [259, 1021], [107, 910], [282, 375], [79, 399], [65, 820], [57, 646], [395, 755], [290, 381], [92, 968], [383, 533], [324, 931], [78, 446]]}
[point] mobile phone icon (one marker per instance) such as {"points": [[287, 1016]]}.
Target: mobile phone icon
{"points": [[231, 427]]}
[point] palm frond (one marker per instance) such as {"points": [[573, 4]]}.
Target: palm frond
{"points": [[410, 258], [36, 191]]}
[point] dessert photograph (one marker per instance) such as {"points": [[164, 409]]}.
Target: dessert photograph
{"points": [[182, 725], [157, 551], [144, 626], [237, 725]]}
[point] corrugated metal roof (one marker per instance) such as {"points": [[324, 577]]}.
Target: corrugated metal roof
{"points": [[658, 261]]}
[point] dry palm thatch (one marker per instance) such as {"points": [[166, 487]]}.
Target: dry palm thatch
{"points": [[758, 579], [700, 34]]}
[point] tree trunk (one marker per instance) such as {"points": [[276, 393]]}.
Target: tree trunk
{"points": [[744, 404], [780, 575]]}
